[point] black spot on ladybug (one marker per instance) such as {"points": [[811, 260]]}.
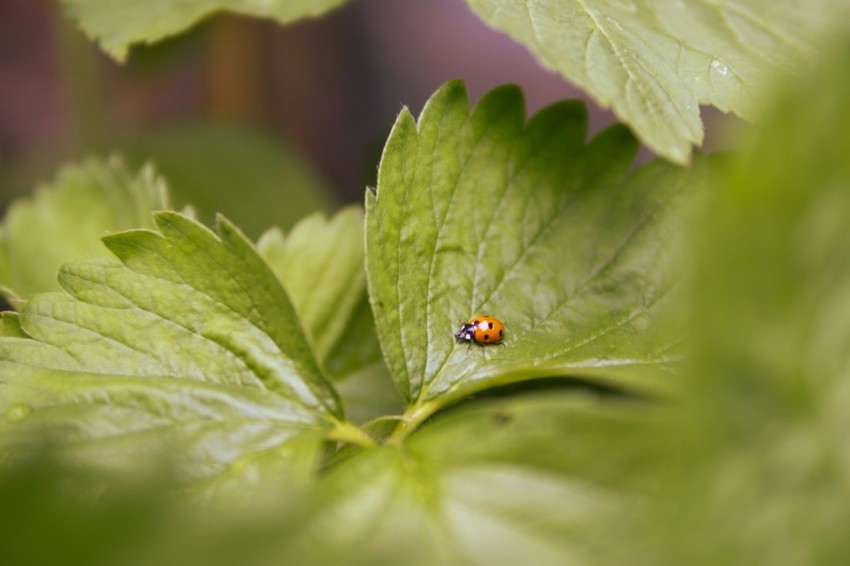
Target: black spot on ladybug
{"points": [[500, 333], [476, 321], [490, 324], [486, 337]]}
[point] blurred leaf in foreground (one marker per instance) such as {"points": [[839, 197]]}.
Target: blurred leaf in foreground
{"points": [[758, 467], [238, 171], [54, 514], [498, 482], [119, 25], [479, 213], [66, 220]]}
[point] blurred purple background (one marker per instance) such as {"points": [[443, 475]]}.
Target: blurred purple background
{"points": [[330, 88]]}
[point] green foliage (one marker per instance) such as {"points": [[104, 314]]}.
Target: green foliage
{"points": [[234, 375], [771, 385], [192, 341], [119, 25], [235, 170], [320, 263], [654, 63], [492, 483], [65, 220], [477, 213], [188, 341]]}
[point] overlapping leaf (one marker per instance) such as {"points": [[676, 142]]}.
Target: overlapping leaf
{"points": [[119, 25], [189, 341], [320, 263], [65, 221], [479, 213], [654, 63], [500, 482], [766, 420]]}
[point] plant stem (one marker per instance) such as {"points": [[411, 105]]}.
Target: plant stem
{"points": [[344, 431], [413, 417]]}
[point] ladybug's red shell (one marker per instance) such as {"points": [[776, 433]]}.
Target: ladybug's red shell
{"points": [[482, 329], [487, 329]]}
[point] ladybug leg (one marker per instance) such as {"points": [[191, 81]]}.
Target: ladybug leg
{"points": [[503, 345], [468, 347]]}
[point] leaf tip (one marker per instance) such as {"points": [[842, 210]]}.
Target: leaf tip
{"points": [[404, 117], [227, 230], [449, 94], [454, 87], [166, 217], [563, 112]]}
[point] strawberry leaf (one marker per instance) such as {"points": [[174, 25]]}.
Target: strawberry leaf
{"points": [[654, 63], [188, 342], [65, 220], [478, 213], [119, 25], [320, 263]]}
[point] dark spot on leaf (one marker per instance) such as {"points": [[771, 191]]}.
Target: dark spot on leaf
{"points": [[502, 418], [490, 324]]}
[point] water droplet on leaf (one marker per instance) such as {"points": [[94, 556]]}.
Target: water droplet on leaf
{"points": [[17, 412], [718, 66]]}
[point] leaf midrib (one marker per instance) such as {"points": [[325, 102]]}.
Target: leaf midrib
{"points": [[472, 150]]}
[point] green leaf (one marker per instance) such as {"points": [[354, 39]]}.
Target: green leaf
{"points": [[320, 263], [188, 341], [65, 221], [11, 325], [654, 63], [360, 373], [478, 213], [754, 458], [475, 486], [358, 345], [80, 522], [234, 170], [119, 25], [768, 407]]}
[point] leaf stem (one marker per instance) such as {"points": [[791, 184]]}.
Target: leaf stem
{"points": [[344, 431], [414, 416]]}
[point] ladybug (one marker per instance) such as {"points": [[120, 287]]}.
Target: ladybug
{"points": [[481, 329]]}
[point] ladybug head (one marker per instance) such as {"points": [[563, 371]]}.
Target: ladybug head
{"points": [[466, 332]]}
